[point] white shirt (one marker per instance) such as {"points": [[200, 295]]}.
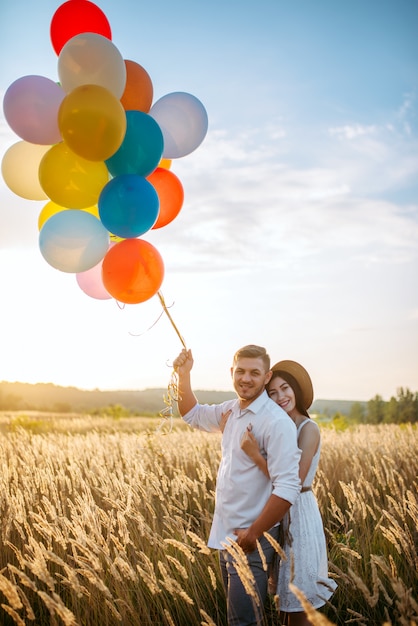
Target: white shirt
{"points": [[242, 489]]}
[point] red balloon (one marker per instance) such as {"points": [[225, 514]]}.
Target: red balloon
{"points": [[75, 17], [132, 271], [170, 193]]}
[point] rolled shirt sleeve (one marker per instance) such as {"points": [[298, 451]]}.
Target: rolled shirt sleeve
{"points": [[283, 457], [208, 416]]}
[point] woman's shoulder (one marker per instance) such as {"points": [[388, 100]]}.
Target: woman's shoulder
{"points": [[309, 437], [309, 427]]}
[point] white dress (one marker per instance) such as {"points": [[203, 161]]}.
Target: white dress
{"points": [[305, 544]]}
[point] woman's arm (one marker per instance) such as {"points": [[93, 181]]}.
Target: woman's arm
{"points": [[250, 446], [308, 442], [224, 419]]}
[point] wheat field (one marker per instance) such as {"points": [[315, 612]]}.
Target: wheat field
{"points": [[104, 523]]}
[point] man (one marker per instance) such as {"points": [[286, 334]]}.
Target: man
{"points": [[248, 503]]}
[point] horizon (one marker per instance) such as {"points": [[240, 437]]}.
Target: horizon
{"points": [[196, 390]]}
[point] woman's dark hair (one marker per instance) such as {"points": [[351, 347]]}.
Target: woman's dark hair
{"points": [[291, 380]]}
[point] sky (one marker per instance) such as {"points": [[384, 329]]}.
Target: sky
{"points": [[299, 228]]}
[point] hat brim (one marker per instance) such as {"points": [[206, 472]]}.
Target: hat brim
{"points": [[300, 374]]}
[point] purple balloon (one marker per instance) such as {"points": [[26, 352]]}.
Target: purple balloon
{"points": [[31, 106]]}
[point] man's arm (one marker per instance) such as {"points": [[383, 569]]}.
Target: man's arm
{"points": [[183, 365], [272, 513]]}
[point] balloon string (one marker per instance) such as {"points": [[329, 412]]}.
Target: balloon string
{"points": [[172, 396], [172, 391], [152, 326], [166, 311]]}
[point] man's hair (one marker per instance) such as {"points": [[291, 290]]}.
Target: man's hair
{"points": [[253, 352]]}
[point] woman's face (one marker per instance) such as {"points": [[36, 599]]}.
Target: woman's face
{"points": [[282, 393]]}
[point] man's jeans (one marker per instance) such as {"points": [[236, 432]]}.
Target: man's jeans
{"points": [[242, 606]]}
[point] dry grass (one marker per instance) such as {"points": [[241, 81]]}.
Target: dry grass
{"points": [[102, 525]]}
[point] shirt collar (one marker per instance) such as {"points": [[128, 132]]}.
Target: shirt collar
{"points": [[255, 406]]}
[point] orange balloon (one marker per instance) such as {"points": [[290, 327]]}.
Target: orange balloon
{"points": [[170, 193], [138, 90], [132, 271]]}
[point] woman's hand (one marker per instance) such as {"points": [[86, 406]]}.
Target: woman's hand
{"points": [[224, 419], [250, 446], [249, 443]]}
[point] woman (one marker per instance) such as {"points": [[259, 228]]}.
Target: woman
{"points": [[307, 561]]}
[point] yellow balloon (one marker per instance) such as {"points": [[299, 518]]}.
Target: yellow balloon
{"points": [[92, 122], [94, 210], [51, 208], [116, 238], [19, 168], [69, 180], [48, 211], [165, 163]]}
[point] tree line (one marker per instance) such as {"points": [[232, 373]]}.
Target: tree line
{"points": [[398, 410], [401, 409]]}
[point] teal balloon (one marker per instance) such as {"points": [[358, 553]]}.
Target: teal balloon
{"points": [[73, 241], [141, 149], [128, 206]]}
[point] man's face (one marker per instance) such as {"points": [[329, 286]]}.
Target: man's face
{"points": [[249, 377]]}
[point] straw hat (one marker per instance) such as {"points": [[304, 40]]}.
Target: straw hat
{"points": [[301, 376]]}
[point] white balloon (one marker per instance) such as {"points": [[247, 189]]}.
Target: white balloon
{"points": [[183, 121], [73, 241], [20, 166], [91, 59]]}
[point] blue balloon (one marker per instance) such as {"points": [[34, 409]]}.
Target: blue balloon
{"points": [[128, 206], [142, 148], [73, 241]]}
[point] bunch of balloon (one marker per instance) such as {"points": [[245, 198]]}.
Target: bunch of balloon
{"points": [[96, 147]]}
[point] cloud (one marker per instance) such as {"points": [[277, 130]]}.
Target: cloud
{"points": [[405, 113], [352, 131], [246, 200]]}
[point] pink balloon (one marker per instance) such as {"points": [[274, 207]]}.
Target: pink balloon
{"points": [[31, 106], [91, 282]]}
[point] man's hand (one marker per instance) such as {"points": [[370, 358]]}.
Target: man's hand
{"points": [[246, 539], [182, 365], [184, 362]]}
